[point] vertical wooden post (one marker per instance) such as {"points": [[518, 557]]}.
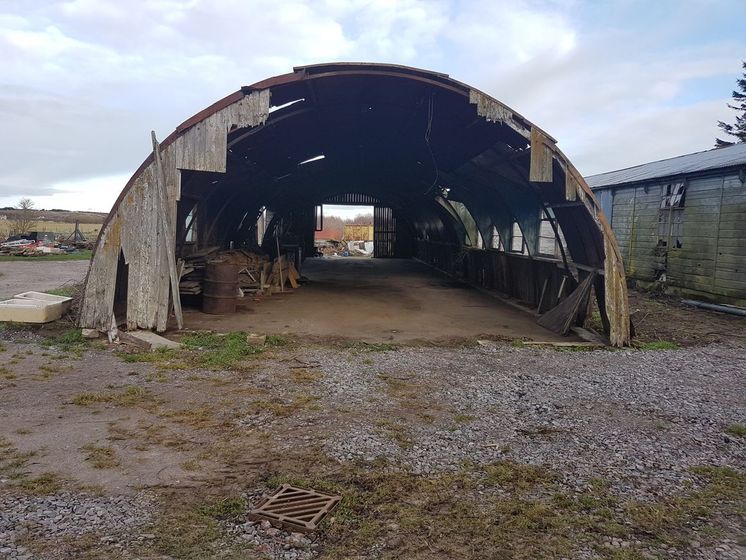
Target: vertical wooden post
{"points": [[164, 218]]}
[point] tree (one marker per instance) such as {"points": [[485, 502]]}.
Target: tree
{"points": [[737, 130], [24, 219]]}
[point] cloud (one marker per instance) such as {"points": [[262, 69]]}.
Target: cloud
{"points": [[84, 81]]}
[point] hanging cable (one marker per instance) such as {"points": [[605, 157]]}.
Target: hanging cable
{"points": [[428, 131]]}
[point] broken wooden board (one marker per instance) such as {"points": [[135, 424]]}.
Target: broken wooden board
{"points": [[561, 317]]}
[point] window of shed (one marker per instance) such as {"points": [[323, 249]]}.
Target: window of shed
{"points": [[672, 195], [547, 239], [671, 228], [495, 241], [517, 242]]}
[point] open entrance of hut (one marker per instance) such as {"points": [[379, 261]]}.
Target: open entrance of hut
{"points": [[458, 183], [344, 230]]}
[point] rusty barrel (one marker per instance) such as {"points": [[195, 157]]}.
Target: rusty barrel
{"points": [[220, 288]]}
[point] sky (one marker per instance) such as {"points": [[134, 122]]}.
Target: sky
{"points": [[616, 82]]}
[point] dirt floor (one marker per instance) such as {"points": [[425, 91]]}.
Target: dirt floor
{"points": [[377, 300], [39, 276]]}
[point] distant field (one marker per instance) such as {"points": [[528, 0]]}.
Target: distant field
{"points": [[57, 221], [89, 230]]}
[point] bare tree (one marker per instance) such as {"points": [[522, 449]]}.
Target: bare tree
{"points": [[24, 220]]}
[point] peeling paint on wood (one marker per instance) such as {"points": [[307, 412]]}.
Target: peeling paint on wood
{"points": [[494, 111], [542, 152], [136, 231]]}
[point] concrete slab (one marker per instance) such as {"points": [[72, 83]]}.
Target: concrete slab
{"points": [[376, 300], [148, 340]]}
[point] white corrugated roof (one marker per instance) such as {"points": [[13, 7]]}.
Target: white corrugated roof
{"points": [[690, 163]]}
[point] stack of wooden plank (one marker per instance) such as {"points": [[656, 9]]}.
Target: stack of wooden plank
{"points": [[250, 269], [278, 274]]}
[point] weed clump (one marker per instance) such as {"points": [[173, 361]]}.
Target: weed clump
{"points": [[227, 509], [738, 430], [220, 351], [131, 396], [101, 457]]}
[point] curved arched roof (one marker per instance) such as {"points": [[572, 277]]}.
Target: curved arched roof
{"points": [[400, 134]]}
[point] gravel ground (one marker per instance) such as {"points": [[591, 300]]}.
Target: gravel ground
{"points": [[640, 419], [121, 519]]}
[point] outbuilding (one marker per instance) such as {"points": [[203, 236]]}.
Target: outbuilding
{"points": [[681, 222]]}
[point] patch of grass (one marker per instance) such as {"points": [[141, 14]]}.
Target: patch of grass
{"points": [[131, 396], [185, 532], [197, 416], [369, 346], [283, 409], [158, 377], [71, 341], [658, 345], [380, 347], [513, 510], [77, 256], [723, 492], [49, 368], [738, 430], [2, 347], [226, 509], [100, 457], [302, 375], [163, 358], [5, 373], [277, 340], [65, 291], [220, 351], [517, 477], [47, 483], [13, 464], [12, 461], [463, 418], [396, 432]]}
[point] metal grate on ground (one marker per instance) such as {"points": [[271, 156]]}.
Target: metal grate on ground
{"points": [[295, 509]]}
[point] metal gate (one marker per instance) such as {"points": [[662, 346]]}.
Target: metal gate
{"points": [[384, 231]]}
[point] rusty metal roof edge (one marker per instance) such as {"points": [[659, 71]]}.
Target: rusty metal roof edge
{"points": [[300, 73], [312, 68]]}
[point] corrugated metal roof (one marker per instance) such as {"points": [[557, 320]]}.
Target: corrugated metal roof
{"points": [[689, 163]]}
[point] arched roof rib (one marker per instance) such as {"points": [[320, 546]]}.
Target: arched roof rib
{"points": [[394, 132]]}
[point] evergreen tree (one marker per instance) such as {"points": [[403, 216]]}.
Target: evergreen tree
{"points": [[738, 129]]}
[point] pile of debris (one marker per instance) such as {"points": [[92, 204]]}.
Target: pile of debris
{"points": [[29, 248], [257, 274]]}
